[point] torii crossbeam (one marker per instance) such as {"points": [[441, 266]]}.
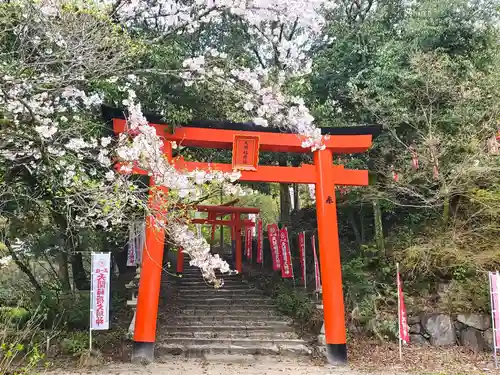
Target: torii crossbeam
{"points": [[246, 145]]}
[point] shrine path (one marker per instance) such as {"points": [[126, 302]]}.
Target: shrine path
{"points": [[260, 366]]}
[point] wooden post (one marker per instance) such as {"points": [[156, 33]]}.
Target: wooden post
{"points": [[212, 216], [233, 240], [329, 252], [239, 254], [180, 261]]}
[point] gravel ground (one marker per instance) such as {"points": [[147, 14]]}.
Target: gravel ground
{"points": [[260, 366]]}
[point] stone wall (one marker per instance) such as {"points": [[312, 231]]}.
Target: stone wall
{"points": [[470, 330]]}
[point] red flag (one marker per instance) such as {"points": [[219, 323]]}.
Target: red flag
{"points": [[414, 158], [272, 233], [317, 275], [404, 332], [260, 248], [248, 240], [286, 256], [302, 248]]}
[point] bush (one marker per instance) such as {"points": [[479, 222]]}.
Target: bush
{"points": [[14, 286], [19, 343], [470, 295], [16, 317], [290, 300], [75, 343]]}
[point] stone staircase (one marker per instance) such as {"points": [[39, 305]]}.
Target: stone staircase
{"points": [[197, 320]]}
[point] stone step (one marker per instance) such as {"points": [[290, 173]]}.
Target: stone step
{"points": [[200, 276], [225, 328], [201, 305], [210, 288], [224, 292], [232, 300], [232, 312], [236, 333], [202, 283], [217, 314], [231, 349], [228, 322], [223, 301], [218, 294], [188, 268], [194, 279], [249, 317], [228, 341], [196, 271]]}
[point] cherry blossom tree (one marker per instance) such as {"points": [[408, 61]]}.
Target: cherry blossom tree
{"points": [[279, 45], [61, 60]]}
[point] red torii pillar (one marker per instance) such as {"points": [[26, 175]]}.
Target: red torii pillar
{"points": [[150, 279], [329, 253]]}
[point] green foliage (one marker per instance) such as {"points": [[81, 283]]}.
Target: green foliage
{"points": [[466, 294], [289, 299], [15, 316], [20, 341], [427, 72], [293, 302], [75, 343]]}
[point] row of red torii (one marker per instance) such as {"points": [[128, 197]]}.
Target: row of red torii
{"points": [[245, 145]]}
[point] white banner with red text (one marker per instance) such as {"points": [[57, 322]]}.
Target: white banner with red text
{"points": [[404, 331], [260, 240], [248, 242], [101, 269], [494, 278], [286, 256], [317, 275], [302, 249], [273, 235]]}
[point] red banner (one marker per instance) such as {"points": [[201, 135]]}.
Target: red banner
{"points": [[286, 256], [273, 235], [302, 249], [404, 332], [317, 275], [248, 241], [260, 247]]}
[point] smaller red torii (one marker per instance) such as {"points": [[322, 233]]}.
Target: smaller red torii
{"points": [[236, 223]]}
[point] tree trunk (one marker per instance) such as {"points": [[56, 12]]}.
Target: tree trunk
{"points": [[23, 267], [352, 221], [379, 228], [121, 260], [362, 226], [296, 196], [446, 211], [79, 275], [62, 271], [285, 203]]}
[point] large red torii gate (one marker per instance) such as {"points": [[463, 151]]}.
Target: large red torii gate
{"points": [[246, 146]]}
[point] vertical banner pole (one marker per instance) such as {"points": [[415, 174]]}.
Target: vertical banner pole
{"points": [[91, 299], [305, 263], [494, 308], [399, 312], [262, 240]]}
